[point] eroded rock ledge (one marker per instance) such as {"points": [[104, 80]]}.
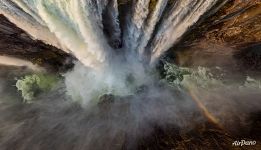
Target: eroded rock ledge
{"points": [[16, 43], [230, 38]]}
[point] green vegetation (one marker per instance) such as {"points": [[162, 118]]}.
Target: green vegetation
{"points": [[202, 77], [32, 85], [187, 77], [174, 75]]}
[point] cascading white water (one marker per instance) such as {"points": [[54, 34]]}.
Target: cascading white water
{"points": [[182, 15], [112, 53], [77, 26], [91, 31]]}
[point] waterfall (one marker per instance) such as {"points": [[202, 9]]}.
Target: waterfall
{"points": [[115, 97], [91, 31], [182, 15], [116, 54]]}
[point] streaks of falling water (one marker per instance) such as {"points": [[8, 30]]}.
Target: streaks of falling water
{"points": [[90, 30], [182, 16]]}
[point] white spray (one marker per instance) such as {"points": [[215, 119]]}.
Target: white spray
{"points": [[79, 27]]}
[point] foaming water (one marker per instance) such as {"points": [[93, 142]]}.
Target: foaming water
{"points": [[85, 84], [54, 121]]}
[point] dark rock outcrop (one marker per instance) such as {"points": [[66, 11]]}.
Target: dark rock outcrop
{"points": [[17, 43], [219, 39]]}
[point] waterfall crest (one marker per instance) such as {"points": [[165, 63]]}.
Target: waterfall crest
{"points": [[91, 31]]}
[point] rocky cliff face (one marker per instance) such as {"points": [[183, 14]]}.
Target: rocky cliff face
{"points": [[15, 42], [231, 38]]}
